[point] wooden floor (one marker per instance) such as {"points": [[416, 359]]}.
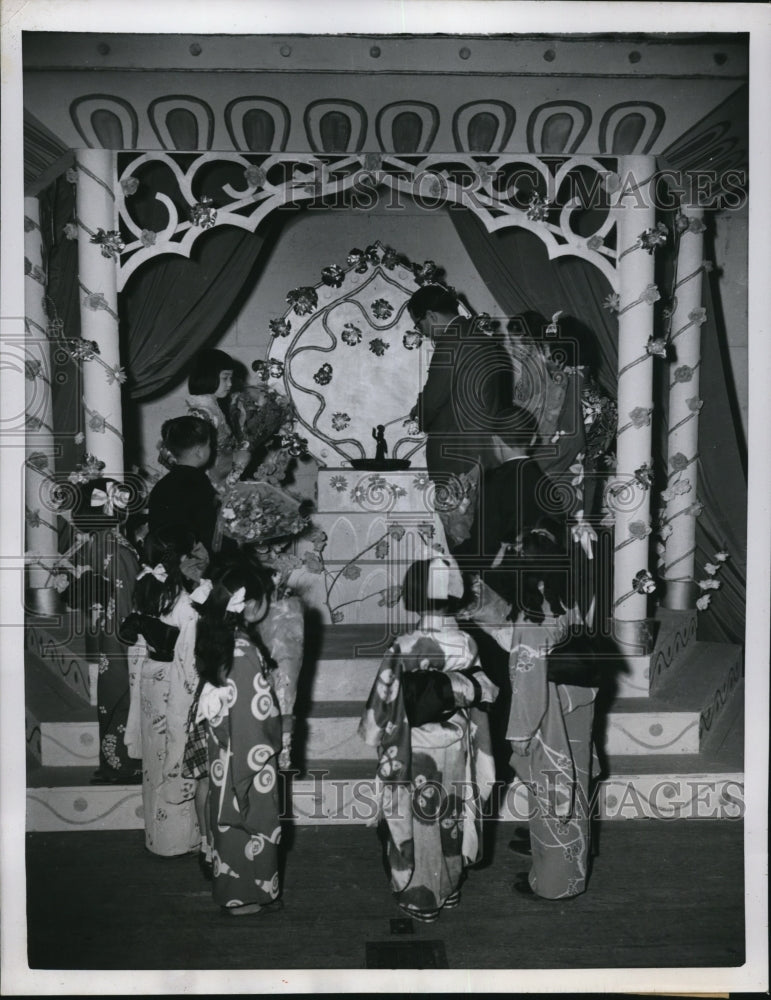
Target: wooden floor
{"points": [[663, 894]]}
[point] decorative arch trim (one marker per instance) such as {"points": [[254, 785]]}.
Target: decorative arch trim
{"points": [[83, 109], [581, 115], [158, 112], [235, 115], [653, 115]]}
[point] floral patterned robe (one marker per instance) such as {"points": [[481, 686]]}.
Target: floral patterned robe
{"points": [[243, 742], [433, 778], [161, 697], [550, 729]]}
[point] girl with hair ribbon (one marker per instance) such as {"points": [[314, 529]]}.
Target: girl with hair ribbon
{"points": [[435, 767], [246, 737], [163, 682]]}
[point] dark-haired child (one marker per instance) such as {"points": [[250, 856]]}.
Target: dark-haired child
{"points": [[163, 684], [185, 497], [107, 568], [210, 385], [551, 715], [239, 704], [435, 763]]}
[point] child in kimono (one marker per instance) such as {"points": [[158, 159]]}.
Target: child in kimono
{"points": [[244, 733], [163, 682], [554, 685], [107, 566], [435, 767]]}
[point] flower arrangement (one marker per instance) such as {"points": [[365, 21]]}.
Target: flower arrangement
{"points": [[261, 512]]}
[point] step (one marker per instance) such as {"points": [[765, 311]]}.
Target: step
{"points": [[676, 635], [61, 650], [342, 791], [671, 721], [48, 699]]}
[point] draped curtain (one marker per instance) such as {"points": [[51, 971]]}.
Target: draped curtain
{"points": [[514, 265]]}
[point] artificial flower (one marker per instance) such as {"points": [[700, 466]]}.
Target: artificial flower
{"points": [[351, 334], [378, 346], [303, 300], [280, 327]]}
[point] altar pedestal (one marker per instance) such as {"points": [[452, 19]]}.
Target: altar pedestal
{"points": [[376, 524]]}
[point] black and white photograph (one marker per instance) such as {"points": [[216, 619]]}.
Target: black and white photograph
{"points": [[385, 497]]}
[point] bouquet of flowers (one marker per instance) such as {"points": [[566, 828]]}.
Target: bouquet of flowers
{"points": [[600, 423], [260, 414], [258, 512]]}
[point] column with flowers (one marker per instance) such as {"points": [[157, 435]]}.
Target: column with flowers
{"points": [[99, 244], [678, 530], [41, 539], [638, 236]]}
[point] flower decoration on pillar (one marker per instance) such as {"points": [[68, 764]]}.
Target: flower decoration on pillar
{"points": [[641, 416], [644, 475], [71, 231], [280, 327], [110, 242], [351, 334], [683, 374], [378, 346], [360, 260], [651, 239], [303, 300], [382, 309], [116, 375], [80, 349], [412, 340], [688, 224], [650, 294], [90, 468], [612, 302], [679, 462], [324, 375], [340, 421], [255, 176], [698, 316], [537, 208], [97, 422], [129, 186], [95, 301], [333, 275], [202, 213], [657, 347], [643, 583]]}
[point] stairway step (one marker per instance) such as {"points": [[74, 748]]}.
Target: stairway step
{"points": [[48, 699], [62, 652], [343, 791], [676, 635]]}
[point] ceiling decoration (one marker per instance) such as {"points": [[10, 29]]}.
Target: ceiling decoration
{"points": [[257, 123], [105, 122], [631, 127], [182, 122], [407, 126], [558, 127], [335, 126], [483, 126]]}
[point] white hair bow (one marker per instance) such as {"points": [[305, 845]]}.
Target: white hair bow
{"points": [[112, 496], [158, 571], [201, 593], [444, 579], [237, 602]]}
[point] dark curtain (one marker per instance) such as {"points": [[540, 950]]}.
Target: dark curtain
{"points": [[515, 267], [173, 307]]}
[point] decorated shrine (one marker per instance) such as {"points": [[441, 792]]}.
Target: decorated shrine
{"points": [[150, 226]]}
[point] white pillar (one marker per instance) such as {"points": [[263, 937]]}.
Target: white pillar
{"points": [[41, 535], [636, 293], [684, 405], [96, 209]]}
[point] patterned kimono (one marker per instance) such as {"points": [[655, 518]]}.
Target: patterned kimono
{"points": [[114, 566], [434, 778], [243, 741], [550, 729], [283, 631], [161, 697]]}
